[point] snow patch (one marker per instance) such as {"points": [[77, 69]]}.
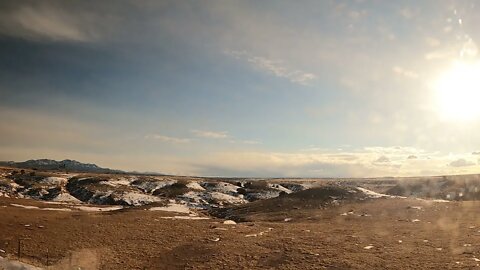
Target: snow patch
{"points": [[173, 207], [194, 199], [24, 206], [373, 194], [260, 233], [207, 199], [117, 182], [229, 222], [38, 208], [56, 209], [151, 185], [222, 197], [185, 217], [9, 264], [54, 180], [66, 197], [98, 209], [195, 186], [432, 200], [137, 199], [221, 187], [280, 188]]}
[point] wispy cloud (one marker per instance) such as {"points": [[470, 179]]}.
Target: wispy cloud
{"points": [[382, 159], [210, 134], [275, 67], [220, 135], [250, 142], [168, 139], [404, 72], [465, 47], [370, 162], [407, 13], [48, 22], [461, 162]]}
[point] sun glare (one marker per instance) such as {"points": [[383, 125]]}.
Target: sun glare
{"points": [[458, 92]]}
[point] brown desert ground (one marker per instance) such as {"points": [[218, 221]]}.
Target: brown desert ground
{"points": [[382, 233]]}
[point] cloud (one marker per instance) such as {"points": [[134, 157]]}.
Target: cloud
{"points": [[203, 134], [47, 22], [407, 13], [53, 131], [440, 54], [382, 159], [276, 164], [461, 163], [357, 14], [168, 139], [210, 134], [476, 153], [393, 150], [432, 42], [275, 67], [251, 142], [328, 163], [406, 73], [465, 48], [268, 164], [412, 157]]}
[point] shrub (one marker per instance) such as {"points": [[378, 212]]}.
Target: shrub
{"points": [[242, 191], [257, 185], [173, 190]]}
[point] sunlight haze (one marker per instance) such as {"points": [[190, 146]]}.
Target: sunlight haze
{"points": [[243, 88]]}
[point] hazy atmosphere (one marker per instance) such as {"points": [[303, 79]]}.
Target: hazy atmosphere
{"points": [[243, 88]]}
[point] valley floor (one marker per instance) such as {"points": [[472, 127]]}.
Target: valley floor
{"points": [[383, 233]]}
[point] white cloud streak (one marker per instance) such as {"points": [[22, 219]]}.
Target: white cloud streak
{"points": [[47, 21], [461, 162], [370, 162], [210, 134], [403, 72], [275, 67], [168, 139]]}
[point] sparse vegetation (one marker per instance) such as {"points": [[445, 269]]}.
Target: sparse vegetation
{"points": [[173, 190], [309, 214]]}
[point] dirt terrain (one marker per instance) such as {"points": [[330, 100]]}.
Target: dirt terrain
{"points": [[333, 224], [384, 233]]}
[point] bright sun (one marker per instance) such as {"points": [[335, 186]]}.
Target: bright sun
{"points": [[458, 92]]}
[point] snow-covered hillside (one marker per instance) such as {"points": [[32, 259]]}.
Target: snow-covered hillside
{"points": [[134, 190]]}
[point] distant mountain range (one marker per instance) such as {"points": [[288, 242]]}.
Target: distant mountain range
{"points": [[67, 165]]}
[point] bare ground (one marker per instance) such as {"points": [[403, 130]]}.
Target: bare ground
{"points": [[436, 236]]}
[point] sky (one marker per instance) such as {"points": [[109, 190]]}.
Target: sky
{"points": [[243, 88]]}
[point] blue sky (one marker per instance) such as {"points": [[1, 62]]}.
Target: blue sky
{"points": [[237, 88]]}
